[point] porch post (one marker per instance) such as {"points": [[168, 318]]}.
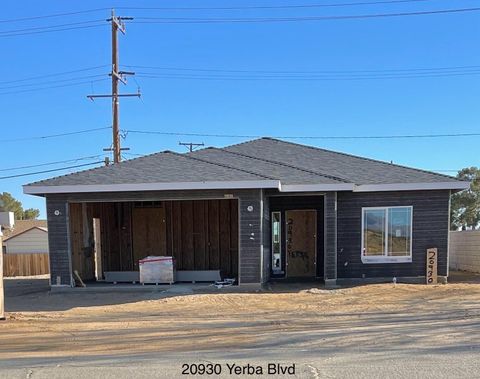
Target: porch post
{"points": [[59, 242], [330, 263], [251, 238]]}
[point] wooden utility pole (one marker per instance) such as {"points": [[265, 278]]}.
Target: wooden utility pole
{"points": [[116, 24], [117, 75], [191, 145]]}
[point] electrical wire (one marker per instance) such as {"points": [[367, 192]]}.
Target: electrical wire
{"points": [[50, 163], [404, 136], [50, 26], [253, 7], [52, 170], [302, 78], [192, 20], [54, 74], [421, 69], [53, 30], [54, 135], [53, 81], [53, 15], [51, 87]]}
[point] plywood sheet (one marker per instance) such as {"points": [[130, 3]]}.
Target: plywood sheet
{"points": [[301, 226]]}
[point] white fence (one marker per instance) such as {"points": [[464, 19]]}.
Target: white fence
{"points": [[465, 250]]}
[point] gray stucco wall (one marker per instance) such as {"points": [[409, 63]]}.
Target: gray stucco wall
{"points": [[251, 225]]}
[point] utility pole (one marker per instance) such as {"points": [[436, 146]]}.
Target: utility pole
{"points": [[191, 145], [117, 76]]}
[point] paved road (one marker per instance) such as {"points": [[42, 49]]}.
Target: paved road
{"points": [[387, 362]]}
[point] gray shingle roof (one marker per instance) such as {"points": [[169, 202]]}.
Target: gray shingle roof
{"points": [[164, 167], [355, 169], [260, 159]]}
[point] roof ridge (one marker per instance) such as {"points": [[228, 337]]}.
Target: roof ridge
{"points": [[286, 165], [222, 165], [360, 157]]}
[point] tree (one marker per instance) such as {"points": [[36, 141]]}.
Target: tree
{"points": [[9, 204], [31, 214], [465, 205]]}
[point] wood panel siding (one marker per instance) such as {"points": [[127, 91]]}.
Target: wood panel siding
{"points": [[148, 233], [200, 235], [430, 229]]}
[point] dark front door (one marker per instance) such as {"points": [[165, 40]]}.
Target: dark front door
{"points": [[301, 243]]}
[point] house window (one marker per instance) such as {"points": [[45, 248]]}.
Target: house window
{"points": [[387, 234], [276, 242]]}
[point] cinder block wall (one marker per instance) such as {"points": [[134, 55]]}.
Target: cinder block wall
{"points": [[465, 250]]}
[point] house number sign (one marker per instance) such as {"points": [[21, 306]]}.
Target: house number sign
{"points": [[431, 274]]}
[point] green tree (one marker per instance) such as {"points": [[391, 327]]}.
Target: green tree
{"points": [[465, 206], [9, 204], [31, 214]]}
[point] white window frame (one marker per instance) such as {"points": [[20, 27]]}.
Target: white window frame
{"points": [[279, 269], [386, 258]]}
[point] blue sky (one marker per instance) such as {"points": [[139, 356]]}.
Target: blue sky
{"points": [[259, 107]]}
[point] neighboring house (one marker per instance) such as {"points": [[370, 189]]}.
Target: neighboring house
{"points": [[257, 211], [26, 237]]}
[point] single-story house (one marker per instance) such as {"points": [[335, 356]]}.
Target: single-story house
{"points": [[26, 237], [257, 211]]}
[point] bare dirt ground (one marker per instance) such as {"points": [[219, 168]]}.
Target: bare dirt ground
{"points": [[305, 320]]}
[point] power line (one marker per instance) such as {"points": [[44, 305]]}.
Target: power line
{"points": [[53, 81], [52, 15], [297, 6], [421, 69], [298, 77], [53, 135], [50, 26], [52, 170], [405, 136], [51, 30], [54, 74], [192, 20], [51, 87], [253, 7], [50, 163]]}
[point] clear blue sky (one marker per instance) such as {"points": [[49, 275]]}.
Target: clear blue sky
{"points": [[259, 107]]}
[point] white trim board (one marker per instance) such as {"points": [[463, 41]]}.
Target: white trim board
{"points": [[128, 187], [243, 184], [412, 186]]}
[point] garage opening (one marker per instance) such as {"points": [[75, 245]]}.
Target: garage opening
{"points": [[201, 235]]}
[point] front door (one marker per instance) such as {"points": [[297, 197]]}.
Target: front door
{"points": [[301, 240]]}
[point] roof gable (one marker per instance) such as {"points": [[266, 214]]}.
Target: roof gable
{"points": [[22, 226]]}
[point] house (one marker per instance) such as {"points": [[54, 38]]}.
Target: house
{"points": [[26, 237], [261, 210]]}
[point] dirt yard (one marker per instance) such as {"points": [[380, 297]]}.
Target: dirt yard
{"points": [[41, 324]]}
